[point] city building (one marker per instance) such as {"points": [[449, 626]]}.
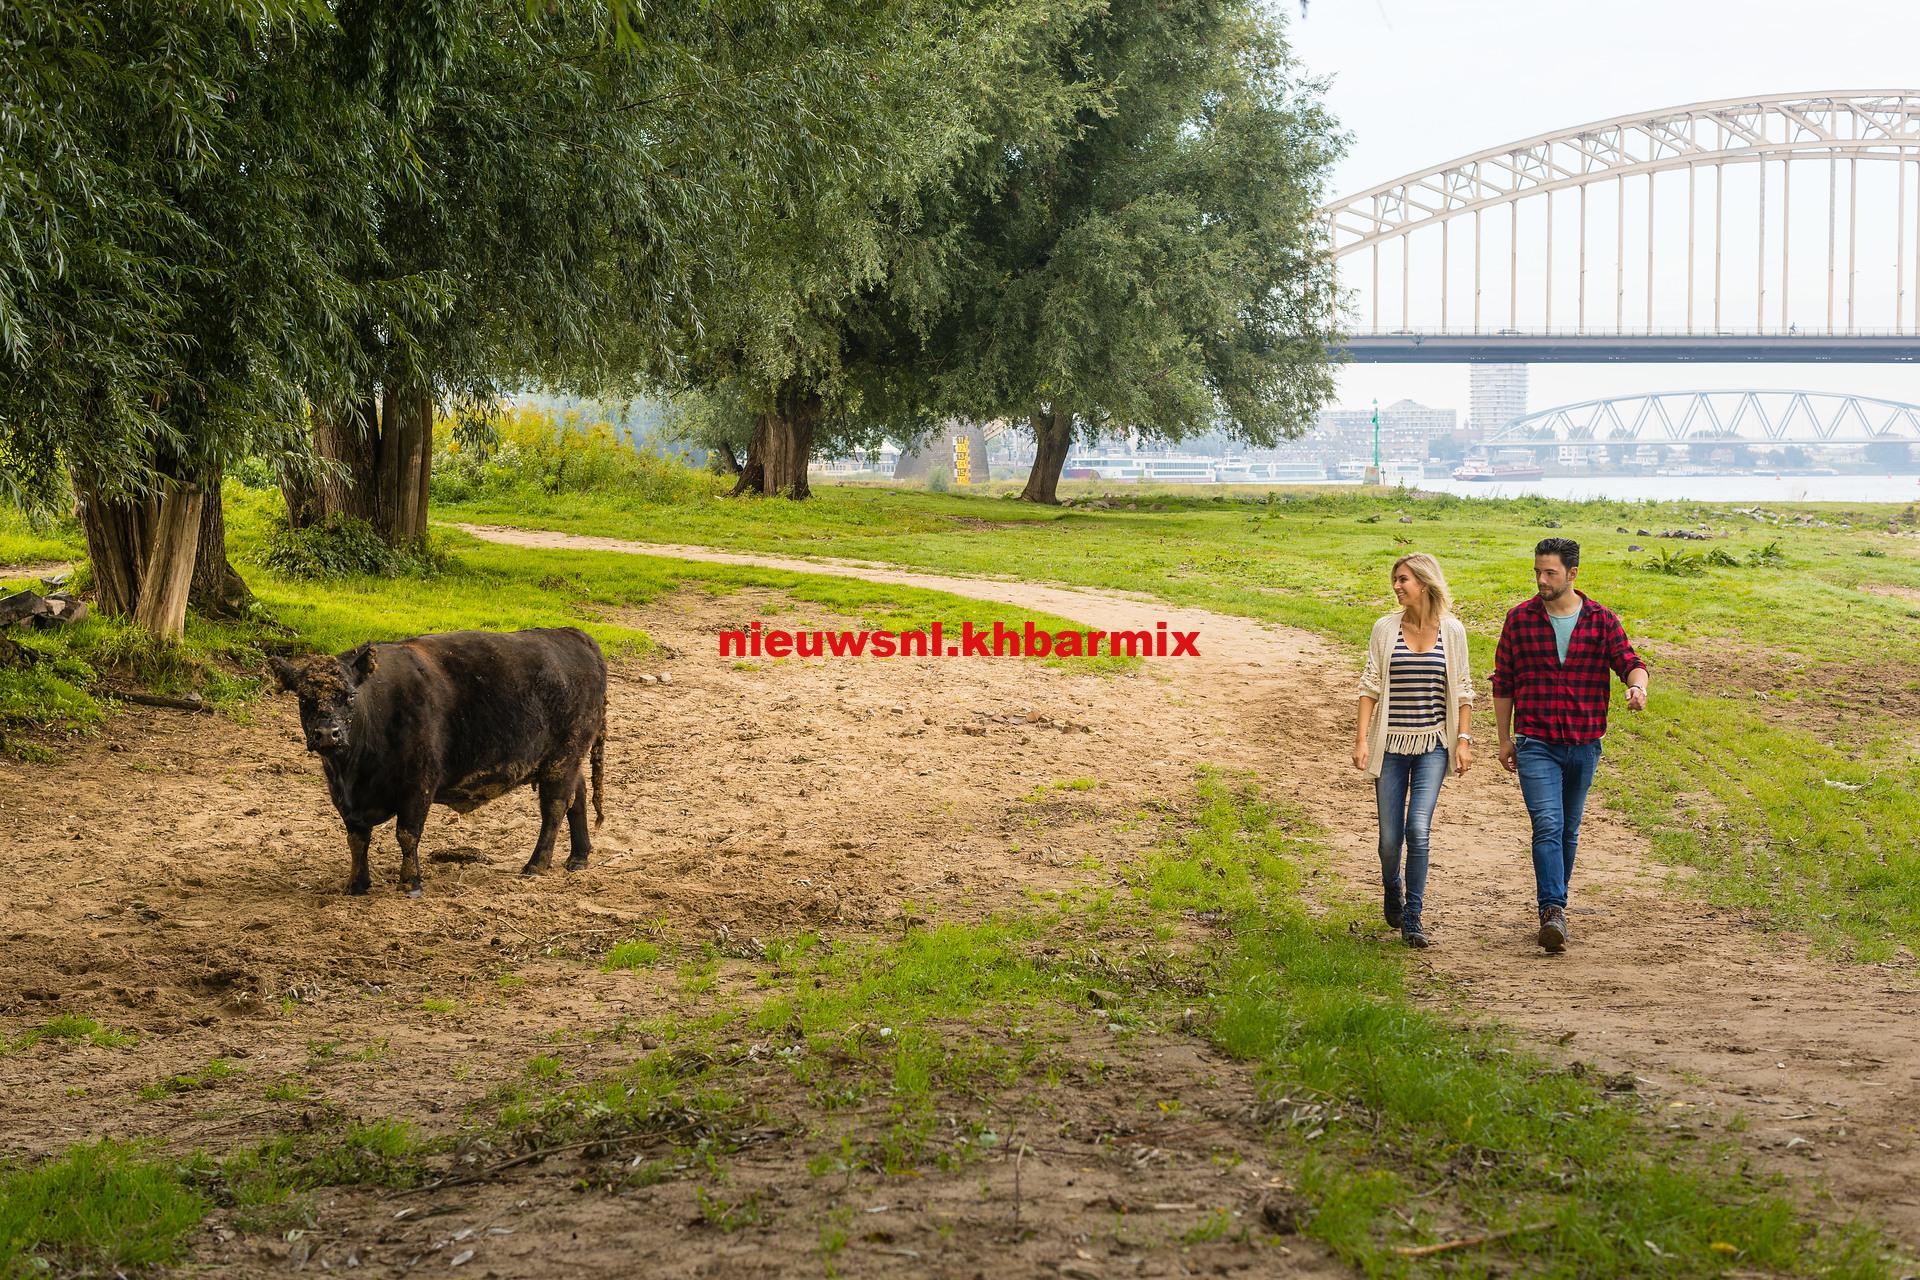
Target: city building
{"points": [[1497, 395]]}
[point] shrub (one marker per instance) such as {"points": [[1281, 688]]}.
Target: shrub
{"points": [[528, 451], [343, 547]]}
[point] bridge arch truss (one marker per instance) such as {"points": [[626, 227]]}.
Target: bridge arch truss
{"points": [[1708, 231], [1748, 417]]}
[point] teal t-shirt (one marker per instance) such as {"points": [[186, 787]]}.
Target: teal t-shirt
{"points": [[1563, 630]]}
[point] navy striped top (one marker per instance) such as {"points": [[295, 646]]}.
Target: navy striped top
{"points": [[1417, 697]]}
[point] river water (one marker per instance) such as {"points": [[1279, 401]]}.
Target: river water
{"points": [[1721, 489]]}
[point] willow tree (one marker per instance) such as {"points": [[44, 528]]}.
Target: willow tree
{"points": [[833, 283], [581, 199], [176, 184], [1152, 265]]}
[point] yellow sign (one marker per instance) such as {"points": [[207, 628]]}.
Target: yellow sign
{"points": [[962, 461]]}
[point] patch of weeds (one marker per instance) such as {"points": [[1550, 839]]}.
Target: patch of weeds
{"points": [[731, 1215], [382, 1153], [74, 1027], [543, 1067], [833, 1236], [322, 1050], [288, 1088], [509, 981], [635, 953], [99, 1209], [1681, 564], [190, 1081], [439, 1004], [1046, 789], [375, 1050], [1217, 1225]]}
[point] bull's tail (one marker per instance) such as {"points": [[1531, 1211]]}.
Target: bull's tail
{"points": [[599, 760]]}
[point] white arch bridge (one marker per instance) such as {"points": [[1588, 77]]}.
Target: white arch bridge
{"points": [[1768, 228], [1748, 417]]}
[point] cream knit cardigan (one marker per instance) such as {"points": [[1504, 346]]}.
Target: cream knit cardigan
{"points": [[1375, 684]]}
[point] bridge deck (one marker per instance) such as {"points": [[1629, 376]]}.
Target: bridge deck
{"points": [[1524, 348]]}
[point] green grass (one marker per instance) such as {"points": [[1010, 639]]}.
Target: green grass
{"points": [[1716, 787], [22, 542], [71, 1028], [636, 953], [98, 1209]]}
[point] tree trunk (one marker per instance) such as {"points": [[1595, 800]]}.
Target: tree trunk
{"points": [[383, 446], [218, 590], [753, 476], [172, 542], [405, 464], [143, 553], [782, 447], [1052, 438], [723, 454], [116, 533]]}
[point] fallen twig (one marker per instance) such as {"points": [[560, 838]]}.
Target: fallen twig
{"points": [[1467, 1242], [159, 700]]}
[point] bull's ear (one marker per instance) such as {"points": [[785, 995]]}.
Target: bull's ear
{"points": [[361, 662], [285, 672]]}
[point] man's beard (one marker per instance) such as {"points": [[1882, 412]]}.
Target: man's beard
{"points": [[1551, 596]]}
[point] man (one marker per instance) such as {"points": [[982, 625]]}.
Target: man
{"points": [[1550, 693]]}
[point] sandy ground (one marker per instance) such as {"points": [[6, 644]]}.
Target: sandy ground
{"points": [[181, 877]]}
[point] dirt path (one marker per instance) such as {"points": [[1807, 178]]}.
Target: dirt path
{"points": [[1822, 1062]]}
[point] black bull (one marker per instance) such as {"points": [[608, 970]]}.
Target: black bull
{"points": [[456, 719]]}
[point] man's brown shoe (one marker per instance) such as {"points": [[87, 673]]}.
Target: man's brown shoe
{"points": [[1553, 928]]}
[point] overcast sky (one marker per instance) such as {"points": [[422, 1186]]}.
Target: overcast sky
{"points": [[1420, 82]]}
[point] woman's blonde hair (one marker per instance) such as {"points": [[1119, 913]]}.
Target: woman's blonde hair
{"points": [[1425, 568]]}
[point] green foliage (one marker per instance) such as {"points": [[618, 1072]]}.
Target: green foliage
{"points": [[1677, 564], [528, 452], [1151, 261], [343, 547], [98, 1209]]}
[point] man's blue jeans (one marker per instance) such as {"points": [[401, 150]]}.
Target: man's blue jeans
{"points": [[1554, 778], [1406, 791]]}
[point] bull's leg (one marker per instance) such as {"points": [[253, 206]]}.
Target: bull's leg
{"points": [[555, 797], [577, 828], [411, 821], [358, 838]]}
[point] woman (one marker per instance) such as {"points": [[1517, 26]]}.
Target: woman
{"points": [[1416, 708]]}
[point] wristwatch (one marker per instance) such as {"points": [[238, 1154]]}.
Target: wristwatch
{"points": [[1466, 738]]}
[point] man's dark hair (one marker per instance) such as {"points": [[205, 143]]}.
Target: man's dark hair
{"points": [[1566, 548]]}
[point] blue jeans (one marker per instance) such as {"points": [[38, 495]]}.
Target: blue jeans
{"points": [[1554, 778], [1406, 791]]}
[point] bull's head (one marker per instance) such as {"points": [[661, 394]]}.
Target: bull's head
{"points": [[327, 687]]}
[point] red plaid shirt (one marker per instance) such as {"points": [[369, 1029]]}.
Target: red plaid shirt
{"points": [[1556, 701]]}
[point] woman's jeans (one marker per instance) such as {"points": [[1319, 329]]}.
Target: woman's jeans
{"points": [[1407, 790], [1554, 779]]}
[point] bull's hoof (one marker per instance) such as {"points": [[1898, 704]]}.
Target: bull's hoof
{"points": [[532, 869], [412, 887], [358, 888], [578, 862], [414, 892]]}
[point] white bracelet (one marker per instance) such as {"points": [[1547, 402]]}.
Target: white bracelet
{"points": [[1466, 737]]}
